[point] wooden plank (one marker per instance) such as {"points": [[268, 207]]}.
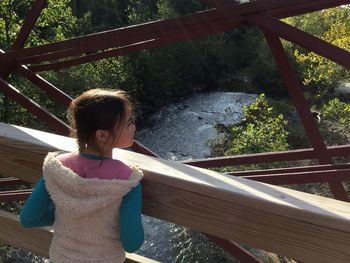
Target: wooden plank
{"points": [[291, 223], [38, 240]]}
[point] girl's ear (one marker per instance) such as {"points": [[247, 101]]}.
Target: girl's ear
{"points": [[101, 135]]}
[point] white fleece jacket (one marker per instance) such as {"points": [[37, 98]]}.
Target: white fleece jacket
{"points": [[86, 227]]}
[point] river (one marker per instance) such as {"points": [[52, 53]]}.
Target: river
{"points": [[181, 131]]}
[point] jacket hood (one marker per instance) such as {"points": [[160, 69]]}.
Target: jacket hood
{"points": [[81, 196]]}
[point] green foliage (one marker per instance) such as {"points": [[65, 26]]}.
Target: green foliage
{"points": [[335, 122], [338, 111], [261, 130], [11, 19], [56, 22], [330, 25]]}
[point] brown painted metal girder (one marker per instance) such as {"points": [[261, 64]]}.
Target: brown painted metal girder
{"points": [[295, 92], [154, 43], [269, 157], [97, 56], [306, 7], [43, 84], [29, 23], [292, 155], [15, 195], [11, 181], [235, 249], [23, 34], [124, 37], [302, 108], [203, 23], [219, 3], [52, 121], [299, 37], [327, 176], [288, 170], [139, 148]]}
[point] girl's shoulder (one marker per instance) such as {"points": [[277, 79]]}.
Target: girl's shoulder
{"points": [[66, 156], [89, 166], [116, 169]]}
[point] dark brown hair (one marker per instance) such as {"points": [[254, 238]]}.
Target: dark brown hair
{"points": [[96, 109]]}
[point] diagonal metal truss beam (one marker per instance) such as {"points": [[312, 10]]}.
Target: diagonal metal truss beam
{"points": [[23, 34], [52, 121], [303, 109], [154, 43], [299, 37], [181, 28]]}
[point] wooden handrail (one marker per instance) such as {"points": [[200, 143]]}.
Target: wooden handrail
{"points": [[291, 223]]}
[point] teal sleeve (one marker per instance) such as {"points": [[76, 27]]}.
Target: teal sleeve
{"points": [[38, 210], [131, 229]]}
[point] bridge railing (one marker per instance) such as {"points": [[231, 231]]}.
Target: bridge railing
{"points": [[287, 222]]}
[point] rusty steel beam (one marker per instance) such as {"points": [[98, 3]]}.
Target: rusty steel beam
{"points": [[220, 3], [296, 94], [11, 181], [29, 23], [98, 56], [235, 249], [324, 167], [15, 195], [303, 109], [203, 23], [335, 176], [304, 8], [43, 84], [299, 37], [145, 45], [139, 148], [292, 10], [269, 157], [292, 155], [23, 34], [339, 150], [160, 38], [53, 122], [61, 54]]}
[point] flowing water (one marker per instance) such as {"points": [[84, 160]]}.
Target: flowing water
{"points": [[181, 131]]}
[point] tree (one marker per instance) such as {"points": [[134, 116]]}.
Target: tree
{"points": [[55, 23], [261, 130], [331, 25]]}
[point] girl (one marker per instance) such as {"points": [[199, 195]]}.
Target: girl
{"points": [[92, 200]]}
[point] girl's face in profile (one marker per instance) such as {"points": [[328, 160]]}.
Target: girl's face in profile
{"points": [[126, 131]]}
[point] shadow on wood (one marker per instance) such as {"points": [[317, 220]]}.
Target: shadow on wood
{"points": [[287, 222]]}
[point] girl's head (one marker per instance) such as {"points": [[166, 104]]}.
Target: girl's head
{"points": [[102, 120]]}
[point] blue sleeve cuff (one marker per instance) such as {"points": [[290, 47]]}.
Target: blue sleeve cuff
{"points": [[38, 210], [131, 229]]}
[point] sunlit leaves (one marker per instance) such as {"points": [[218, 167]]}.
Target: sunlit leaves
{"points": [[261, 130], [333, 26]]}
